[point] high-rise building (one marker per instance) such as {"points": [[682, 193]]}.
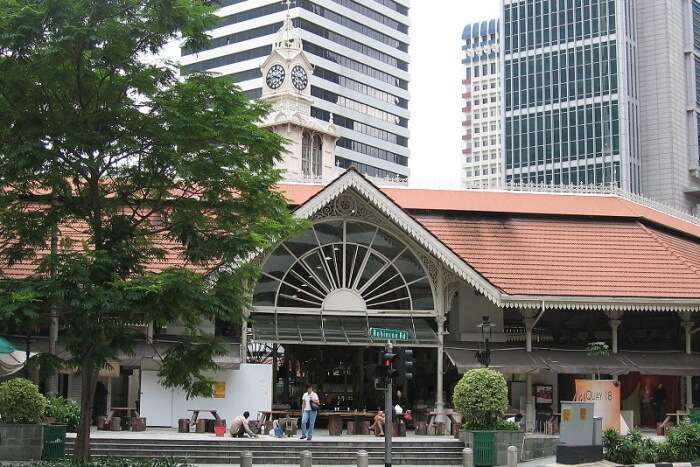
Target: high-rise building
{"points": [[359, 53], [481, 140], [669, 98], [571, 95]]}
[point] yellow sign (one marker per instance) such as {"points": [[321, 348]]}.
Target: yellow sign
{"points": [[219, 390], [566, 415], [583, 413]]}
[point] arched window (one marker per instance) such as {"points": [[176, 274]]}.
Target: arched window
{"points": [[344, 266], [317, 156], [306, 154]]}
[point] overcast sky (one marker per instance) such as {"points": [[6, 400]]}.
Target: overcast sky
{"points": [[436, 86]]}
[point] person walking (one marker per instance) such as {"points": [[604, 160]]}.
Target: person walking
{"points": [[310, 405]]}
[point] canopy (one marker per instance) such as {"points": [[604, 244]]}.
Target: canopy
{"points": [[517, 360], [664, 363], [337, 330], [505, 360], [6, 346]]}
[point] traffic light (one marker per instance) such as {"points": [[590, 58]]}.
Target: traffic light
{"points": [[389, 361], [408, 364]]}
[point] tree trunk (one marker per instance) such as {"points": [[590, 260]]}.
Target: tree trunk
{"points": [[88, 383]]}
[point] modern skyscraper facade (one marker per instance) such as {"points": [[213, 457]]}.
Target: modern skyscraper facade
{"points": [[571, 97], [481, 139], [669, 88], [359, 50]]}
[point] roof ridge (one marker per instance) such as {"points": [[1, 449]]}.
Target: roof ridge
{"points": [[670, 249]]}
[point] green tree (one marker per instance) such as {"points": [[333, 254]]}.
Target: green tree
{"points": [[149, 194], [481, 396]]}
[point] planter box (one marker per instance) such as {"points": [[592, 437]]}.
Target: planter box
{"points": [[21, 442], [503, 439]]}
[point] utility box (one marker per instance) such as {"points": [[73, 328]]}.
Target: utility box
{"points": [[576, 427], [580, 434]]}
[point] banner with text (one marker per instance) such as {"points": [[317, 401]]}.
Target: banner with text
{"points": [[605, 395]]}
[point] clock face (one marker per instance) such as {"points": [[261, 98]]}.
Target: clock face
{"points": [[275, 77], [299, 78]]}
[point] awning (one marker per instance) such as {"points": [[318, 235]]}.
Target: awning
{"points": [[337, 330], [517, 360], [505, 360], [578, 362], [664, 363], [149, 357]]}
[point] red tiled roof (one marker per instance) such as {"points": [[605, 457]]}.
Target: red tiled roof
{"points": [[557, 244], [572, 257], [546, 204], [79, 235]]}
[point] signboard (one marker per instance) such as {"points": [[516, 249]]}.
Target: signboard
{"points": [[388, 334], [544, 394], [219, 390], [605, 396]]}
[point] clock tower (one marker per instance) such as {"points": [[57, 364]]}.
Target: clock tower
{"points": [[286, 75]]}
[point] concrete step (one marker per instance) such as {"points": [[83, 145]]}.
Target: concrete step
{"points": [[406, 451]]}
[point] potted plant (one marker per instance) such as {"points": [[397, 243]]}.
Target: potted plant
{"points": [[481, 397], [22, 409]]}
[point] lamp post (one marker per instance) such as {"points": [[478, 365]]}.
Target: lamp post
{"points": [[483, 355]]}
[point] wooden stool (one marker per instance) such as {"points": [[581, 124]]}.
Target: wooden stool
{"points": [[102, 423], [351, 427], [335, 425], [399, 429], [439, 428], [456, 428], [115, 424], [363, 427], [422, 428], [209, 425], [267, 427], [201, 426], [138, 424], [183, 425]]}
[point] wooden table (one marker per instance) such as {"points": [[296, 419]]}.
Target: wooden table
{"points": [[195, 415], [335, 418], [678, 414]]}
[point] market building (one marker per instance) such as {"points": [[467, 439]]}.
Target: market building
{"points": [[551, 271]]}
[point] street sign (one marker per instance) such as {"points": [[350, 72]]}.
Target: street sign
{"points": [[388, 334]]}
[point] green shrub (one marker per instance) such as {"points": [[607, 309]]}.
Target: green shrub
{"points": [[21, 402], [683, 443], [632, 448], [481, 396], [64, 412]]}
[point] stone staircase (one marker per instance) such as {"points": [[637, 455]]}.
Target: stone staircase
{"points": [[406, 451]]}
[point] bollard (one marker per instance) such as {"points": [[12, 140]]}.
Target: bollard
{"points": [[246, 459], [305, 460], [512, 456], [467, 457], [362, 458]]}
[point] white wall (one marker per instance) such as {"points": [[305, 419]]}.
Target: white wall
{"points": [[249, 388]]}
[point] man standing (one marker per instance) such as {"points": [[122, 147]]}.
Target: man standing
{"points": [[310, 405], [660, 402], [240, 426]]}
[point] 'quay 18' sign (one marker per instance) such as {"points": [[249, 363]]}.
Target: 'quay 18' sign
{"points": [[388, 334]]}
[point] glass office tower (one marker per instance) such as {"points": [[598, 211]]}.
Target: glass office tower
{"points": [[359, 49], [570, 92]]}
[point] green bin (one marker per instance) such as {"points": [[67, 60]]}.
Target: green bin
{"points": [[54, 442], [695, 415], [484, 448]]}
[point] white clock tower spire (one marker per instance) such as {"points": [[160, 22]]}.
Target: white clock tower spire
{"points": [[287, 87]]}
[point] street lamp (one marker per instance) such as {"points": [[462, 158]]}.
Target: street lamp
{"points": [[483, 355]]}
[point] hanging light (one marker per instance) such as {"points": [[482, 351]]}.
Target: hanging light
{"points": [[483, 355]]}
